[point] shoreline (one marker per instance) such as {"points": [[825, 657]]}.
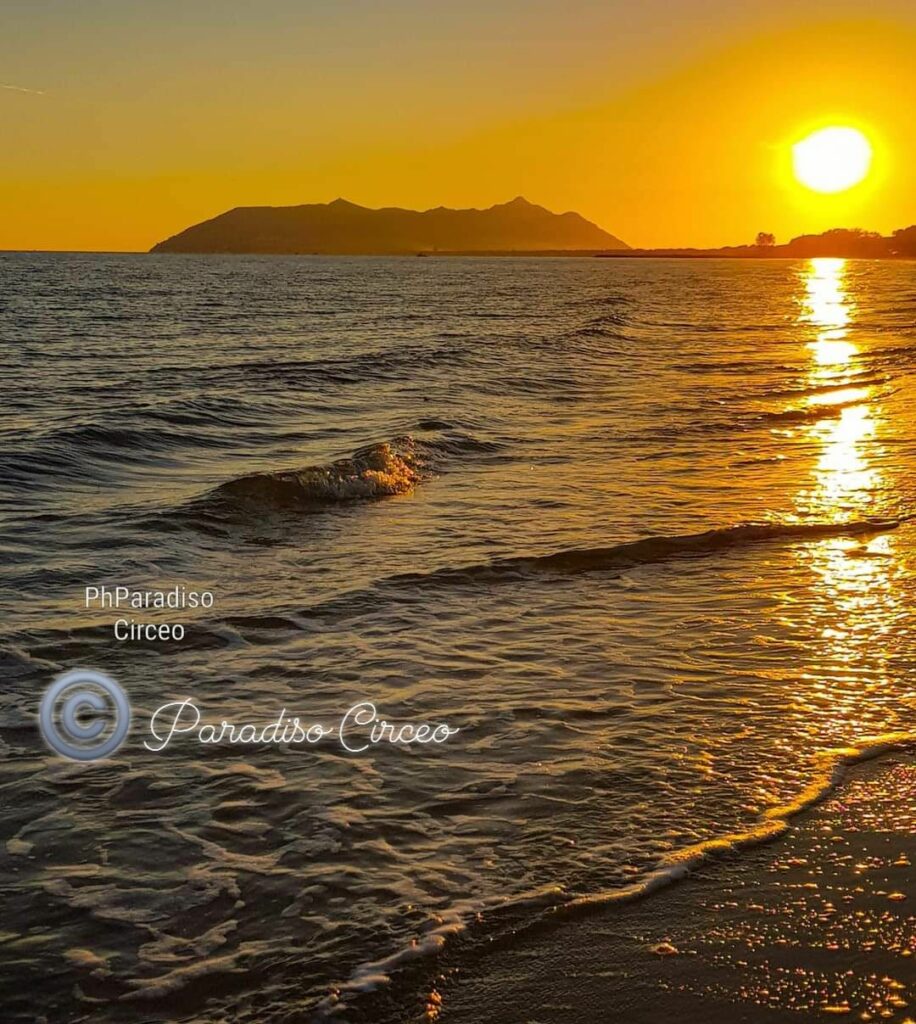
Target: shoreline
{"points": [[654, 950], [819, 922]]}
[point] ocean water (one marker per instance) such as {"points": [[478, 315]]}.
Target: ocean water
{"points": [[639, 529]]}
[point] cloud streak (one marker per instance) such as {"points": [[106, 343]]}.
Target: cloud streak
{"points": [[22, 88]]}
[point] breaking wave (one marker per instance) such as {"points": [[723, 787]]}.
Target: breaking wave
{"points": [[553, 905], [376, 471], [773, 823]]}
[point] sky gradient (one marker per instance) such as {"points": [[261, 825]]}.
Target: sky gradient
{"points": [[667, 124]]}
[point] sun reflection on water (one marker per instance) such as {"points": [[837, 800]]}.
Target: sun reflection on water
{"points": [[855, 600], [845, 478], [827, 306]]}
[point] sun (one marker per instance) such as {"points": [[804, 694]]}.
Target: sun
{"points": [[832, 159]]}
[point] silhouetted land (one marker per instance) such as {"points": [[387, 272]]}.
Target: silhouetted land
{"points": [[852, 243], [508, 229], [345, 228]]}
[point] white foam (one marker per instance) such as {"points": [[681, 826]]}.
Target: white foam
{"points": [[673, 867], [377, 973], [773, 823]]}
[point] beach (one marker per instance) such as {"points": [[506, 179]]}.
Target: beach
{"points": [[816, 925]]}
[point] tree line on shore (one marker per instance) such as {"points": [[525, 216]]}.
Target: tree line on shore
{"points": [[851, 242]]}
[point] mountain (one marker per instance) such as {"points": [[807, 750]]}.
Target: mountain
{"points": [[342, 227]]}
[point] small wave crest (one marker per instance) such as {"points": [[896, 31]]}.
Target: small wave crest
{"points": [[375, 471], [807, 414], [656, 550], [664, 548]]}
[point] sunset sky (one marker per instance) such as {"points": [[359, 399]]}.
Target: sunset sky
{"points": [[666, 123]]}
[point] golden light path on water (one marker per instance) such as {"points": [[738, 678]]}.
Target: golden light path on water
{"points": [[855, 600], [829, 893], [844, 476]]}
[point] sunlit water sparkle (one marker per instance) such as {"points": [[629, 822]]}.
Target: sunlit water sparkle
{"points": [[155, 408]]}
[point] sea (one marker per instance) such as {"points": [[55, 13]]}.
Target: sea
{"points": [[640, 530]]}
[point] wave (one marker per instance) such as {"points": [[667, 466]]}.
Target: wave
{"points": [[384, 363], [355, 479], [774, 823], [811, 413], [376, 471], [741, 420], [434, 452], [574, 561], [852, 380], [760, 460], [372, 472], [553, 905], [444, 925], [152, 436], [664, 548]]}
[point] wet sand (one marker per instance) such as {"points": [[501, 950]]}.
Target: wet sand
{"points": [[820, 923]]}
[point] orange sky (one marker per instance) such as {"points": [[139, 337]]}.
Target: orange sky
{"points": [[667, 127]]}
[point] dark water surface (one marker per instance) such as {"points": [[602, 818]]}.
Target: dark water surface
{"points": [[510, 428]]}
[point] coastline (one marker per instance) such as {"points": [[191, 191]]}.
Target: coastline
{"points": [[815, 915], [820, 923]]}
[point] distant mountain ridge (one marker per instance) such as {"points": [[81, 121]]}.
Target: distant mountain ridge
{"points": [[343, 228]]}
